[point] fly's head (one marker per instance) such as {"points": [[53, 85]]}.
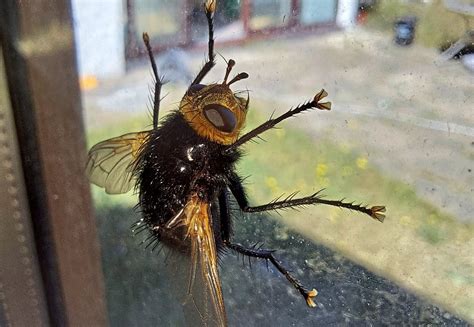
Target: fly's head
{"points": [[214, 111]]}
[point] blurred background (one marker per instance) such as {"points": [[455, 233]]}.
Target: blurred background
{"points": [[401, 131], [400, 75]]}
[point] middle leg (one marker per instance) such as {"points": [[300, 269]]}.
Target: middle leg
{"points": [[235, 185]]}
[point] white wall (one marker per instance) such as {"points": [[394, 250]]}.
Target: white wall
{"points": [[347, 13], [99, 27]]}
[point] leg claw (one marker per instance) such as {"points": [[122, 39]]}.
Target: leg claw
{"points": [[309, 298]]}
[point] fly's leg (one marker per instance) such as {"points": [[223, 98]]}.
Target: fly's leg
{"points": [[269, 124], [268, 255], [158, 81], [376, 212], [210, 8], [225, 218], [258, 253]]}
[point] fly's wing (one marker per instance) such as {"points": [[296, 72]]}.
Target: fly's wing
{"points": [[196, 280], [110, 163]]}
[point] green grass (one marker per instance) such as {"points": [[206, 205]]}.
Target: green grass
{"points": [[419, 246], [290, 160]]}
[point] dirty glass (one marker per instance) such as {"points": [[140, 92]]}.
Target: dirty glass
{"points": [[400, 133], [269, 13], [317, 11], [147, 12]]}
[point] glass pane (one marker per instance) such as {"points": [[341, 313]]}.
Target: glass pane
{"points": [[269, 13], [399, 134], [317, 11], [161, 19]]}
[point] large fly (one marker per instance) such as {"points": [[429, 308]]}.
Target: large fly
{"points": [[184, 172]]}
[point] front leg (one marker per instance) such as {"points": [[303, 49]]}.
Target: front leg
{"points": [[210, 8], [158, 82], [376, 212], [269, 124]]}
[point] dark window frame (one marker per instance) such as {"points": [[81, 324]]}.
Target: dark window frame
{"points": [[37, 42]]}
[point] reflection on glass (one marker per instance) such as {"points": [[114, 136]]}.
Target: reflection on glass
{"points": [[147, 14], [317, 11], [269, 13]]}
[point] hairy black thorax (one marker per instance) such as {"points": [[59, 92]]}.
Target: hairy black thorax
{"points": [[176, 162]]}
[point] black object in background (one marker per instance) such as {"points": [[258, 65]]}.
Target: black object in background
{"points": [[405, 30]]}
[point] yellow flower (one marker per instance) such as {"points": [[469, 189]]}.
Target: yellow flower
{"points": [[321, 170], [271, 181], [361, 162]]}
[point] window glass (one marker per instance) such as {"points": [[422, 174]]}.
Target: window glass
{"points": [[320, 11], [269, 13], [169, 13], [400, 133]]}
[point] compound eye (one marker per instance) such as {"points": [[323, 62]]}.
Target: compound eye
{"points": [[221, 117], [195, 88]]}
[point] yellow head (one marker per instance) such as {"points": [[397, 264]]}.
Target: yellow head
{"points": [[214, 111]]}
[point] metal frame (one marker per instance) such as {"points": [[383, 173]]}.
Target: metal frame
{"points": [[21, 285], [40, 66]]}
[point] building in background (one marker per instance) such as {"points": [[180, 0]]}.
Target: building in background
{"points": [[108, 32]]}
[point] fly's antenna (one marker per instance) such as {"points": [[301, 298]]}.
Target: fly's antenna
{"points": [[230, 64], [238, 78]]}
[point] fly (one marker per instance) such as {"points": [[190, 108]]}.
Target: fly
{"points": [[184, 172]]}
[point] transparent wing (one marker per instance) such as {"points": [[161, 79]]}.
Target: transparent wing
{"points": [[194, 268], [110, 163]]}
